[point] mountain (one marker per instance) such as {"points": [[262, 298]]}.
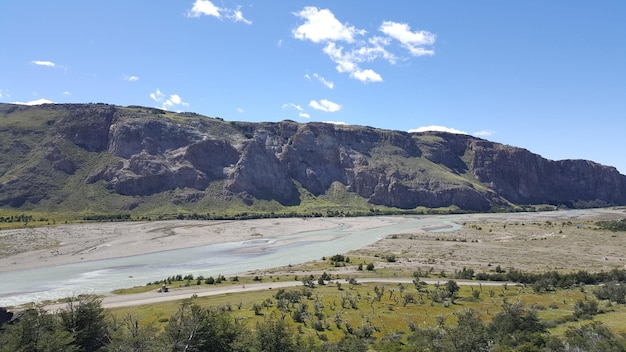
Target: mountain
{"points": [[99, 158]]}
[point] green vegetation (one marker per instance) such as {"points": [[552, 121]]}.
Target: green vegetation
{"points": [[612, 225], [335, 317]]}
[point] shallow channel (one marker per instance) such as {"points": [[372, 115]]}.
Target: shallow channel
{"points": [[103, 276]]}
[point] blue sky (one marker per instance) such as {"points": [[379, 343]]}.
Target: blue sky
{"points": [[548, 76]]}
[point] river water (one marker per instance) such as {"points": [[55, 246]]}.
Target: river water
{"points": [[103, 276]]}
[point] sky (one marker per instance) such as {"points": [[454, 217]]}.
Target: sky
{"points": [[547, 76]]}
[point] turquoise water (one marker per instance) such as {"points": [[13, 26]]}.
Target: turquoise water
{"points": [[103, 276]]}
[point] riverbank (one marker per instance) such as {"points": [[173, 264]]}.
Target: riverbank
{"points": [[32, 248]]}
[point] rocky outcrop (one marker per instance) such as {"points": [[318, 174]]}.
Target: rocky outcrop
{"points": [[141, 152]]}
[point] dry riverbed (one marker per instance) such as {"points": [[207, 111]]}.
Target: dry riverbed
{"points": [[560, 240]]}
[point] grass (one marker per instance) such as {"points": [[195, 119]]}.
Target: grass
{"points": [[389, 315]]}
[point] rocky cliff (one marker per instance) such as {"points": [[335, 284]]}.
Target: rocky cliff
{"points": [[98, 156]]}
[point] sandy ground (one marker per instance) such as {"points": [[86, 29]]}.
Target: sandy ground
{"points": [[528, 241], [563, 240], [56, 245]]}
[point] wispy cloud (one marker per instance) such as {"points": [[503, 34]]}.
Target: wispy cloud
{"points": [[301, 112], [483, 133], [237, 16], [43, 63], [322, 27], [207, 8], [336, 122], [174, 100], [35, 102], [131, 78], [414, 42], [436, 128], [328, 84], [325, 105], [67, 93], [292, 105]]}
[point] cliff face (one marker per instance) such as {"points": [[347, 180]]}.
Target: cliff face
{"points": [[136, 152]]}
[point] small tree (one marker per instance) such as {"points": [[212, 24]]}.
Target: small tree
{"points": [[85, 320], [274, 335], [36, 330]]}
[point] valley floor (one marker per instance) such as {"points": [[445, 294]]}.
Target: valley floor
{"points": [[561, 240]]}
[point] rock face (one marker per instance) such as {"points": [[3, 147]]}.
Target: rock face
{"points": [[141, 152]]}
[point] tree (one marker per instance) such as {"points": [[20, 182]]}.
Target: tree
{"points": [[612, 291], [593, 337], [516, 325], [193, 328], [85, 319], [130, 336], [585, 310], [470, 334], [348, 343], [38, 331], [274, 335], [452, 287], [186, 330]]}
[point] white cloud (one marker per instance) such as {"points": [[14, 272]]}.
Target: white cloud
{"points": [[67, 93], [204, 7], [328, 84], [34, 102], [436, 129], [321, 26], [335, 122], [292, 105], [172, 102], [240, 110], [131, 78], [377, 49], [366, 76], [43, 63], [345, 62], [157, 96], [325, 105], [483, 133], [0, 93], [237, 16], [207, 8], [348, 63], [301, 112], [414, 42]]}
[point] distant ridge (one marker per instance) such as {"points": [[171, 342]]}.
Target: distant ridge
{"points": [[98, 158]]}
